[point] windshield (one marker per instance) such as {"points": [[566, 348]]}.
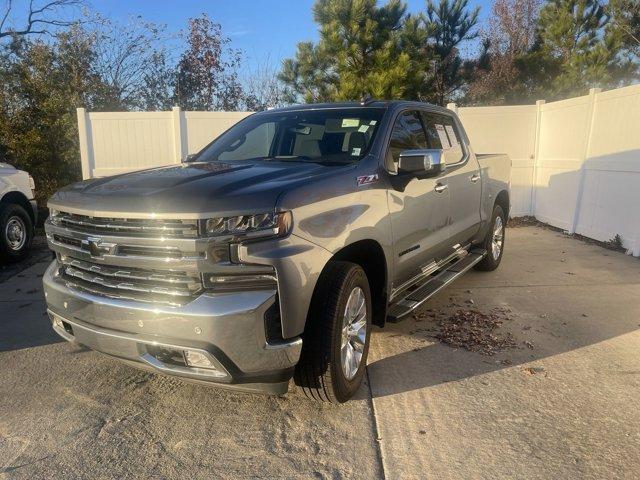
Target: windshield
{"points": [[332, 136]]}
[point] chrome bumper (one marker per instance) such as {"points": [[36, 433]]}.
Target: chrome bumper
{"points": [[228, 328]]}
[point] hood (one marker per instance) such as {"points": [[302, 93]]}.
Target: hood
{"points": [[191, 190]]}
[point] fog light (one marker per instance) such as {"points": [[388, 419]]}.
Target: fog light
{"points": [[57, 322], [197, 359]]}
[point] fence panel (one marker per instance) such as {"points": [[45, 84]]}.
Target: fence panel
{"points": [[510, 130], [134, 141], [610, 199], [564, 129]]}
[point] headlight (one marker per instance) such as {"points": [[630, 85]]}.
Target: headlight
{"points": [[278, 224]]}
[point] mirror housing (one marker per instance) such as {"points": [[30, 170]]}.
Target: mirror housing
{"points": [[188, 158], [422, 163]]}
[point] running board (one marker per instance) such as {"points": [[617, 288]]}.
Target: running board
{"points": [[432, 285]]}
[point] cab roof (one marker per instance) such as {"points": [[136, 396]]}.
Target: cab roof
{"points": [[366, 104]]}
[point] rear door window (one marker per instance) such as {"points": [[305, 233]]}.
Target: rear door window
{"points": [[442, 132]]}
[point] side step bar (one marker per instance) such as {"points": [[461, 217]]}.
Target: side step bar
{"points": [[432, 285]]}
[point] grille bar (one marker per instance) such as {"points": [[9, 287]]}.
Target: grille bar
{"points": [[101, 291], [123, 226], [172, 278], [120, 285]]}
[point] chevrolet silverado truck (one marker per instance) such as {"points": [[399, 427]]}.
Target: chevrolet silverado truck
{"points": [[271, 253], [18, 212]]}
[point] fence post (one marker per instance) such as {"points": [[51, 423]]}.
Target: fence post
{"points": [[585, 152], [178, 133], [86, 160], [536, 155], [453, 107]]}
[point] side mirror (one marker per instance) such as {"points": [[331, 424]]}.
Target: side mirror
{"points": [[188, 158], [422, 163]]}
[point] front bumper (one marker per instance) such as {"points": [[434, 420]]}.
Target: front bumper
{"points": [[228, 328]]}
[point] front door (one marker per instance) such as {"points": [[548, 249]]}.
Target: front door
{"points": [[420, 211]]}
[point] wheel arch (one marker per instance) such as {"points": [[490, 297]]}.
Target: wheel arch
{"points": [[503, 200], [369, 255]]}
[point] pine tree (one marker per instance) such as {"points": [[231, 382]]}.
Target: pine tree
{"points": [[576, 43], [625, 19], [450, 23], [363, 50]]}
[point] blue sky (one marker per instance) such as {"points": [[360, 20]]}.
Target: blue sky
{"points": [[266, 30]]}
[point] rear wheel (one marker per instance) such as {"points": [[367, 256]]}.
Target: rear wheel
{"points": [[494, 241], [16, 232], [336, 341]]}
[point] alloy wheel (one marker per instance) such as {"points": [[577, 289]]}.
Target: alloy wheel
{"points": [[354, 332]]}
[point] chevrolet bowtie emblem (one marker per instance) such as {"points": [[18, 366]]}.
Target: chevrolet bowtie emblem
{"points": [[95, 247]]}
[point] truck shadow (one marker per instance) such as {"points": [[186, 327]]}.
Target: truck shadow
{"points": [[563, 296], [437, 363], [23, 319]]}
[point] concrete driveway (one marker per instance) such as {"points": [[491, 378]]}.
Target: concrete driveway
{"points": [[562, 404]]}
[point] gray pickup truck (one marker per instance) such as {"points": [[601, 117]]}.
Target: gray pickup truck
{"points": [[272, 252]]}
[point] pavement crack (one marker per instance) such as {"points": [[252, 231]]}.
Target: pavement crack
{"points": [[376, 430]]}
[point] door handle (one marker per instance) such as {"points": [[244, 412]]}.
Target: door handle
{"points": [[440, 187], [474, 178]]}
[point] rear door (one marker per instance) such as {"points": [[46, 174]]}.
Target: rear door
{"points": [[420, 211], [462, 175]]}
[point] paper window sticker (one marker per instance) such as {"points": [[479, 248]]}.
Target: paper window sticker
{"points": [[350, 122], [363, 128], [452, 136], [355, 151], [442, 134]]}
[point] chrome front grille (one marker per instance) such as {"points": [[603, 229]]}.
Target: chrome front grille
{"points": [[174, 288], [125, 226], [144, 260]]}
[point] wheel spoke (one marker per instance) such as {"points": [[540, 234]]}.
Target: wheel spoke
{"points": [[361, 310], [358, 343], [357, 326]]}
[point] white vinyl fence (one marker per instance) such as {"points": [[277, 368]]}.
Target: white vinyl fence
{"points": [[576, 162], [118, 142]]}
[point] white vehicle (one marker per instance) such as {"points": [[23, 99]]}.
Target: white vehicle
{"points": [[18, 212]]}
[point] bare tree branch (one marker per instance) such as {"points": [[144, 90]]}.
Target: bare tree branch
{"points": [[38, 17]]}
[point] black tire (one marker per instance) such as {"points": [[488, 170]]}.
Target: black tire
{"points": [[12, 250], [320, 371], [490, 261]]}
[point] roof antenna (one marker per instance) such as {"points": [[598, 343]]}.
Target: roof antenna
{"points": [[366, 98]]}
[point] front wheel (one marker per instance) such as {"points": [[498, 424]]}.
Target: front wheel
{"points": [[336, 341], [494, 241], [16, 232]]}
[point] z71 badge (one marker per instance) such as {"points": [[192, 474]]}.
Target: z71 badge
{"points": [[366, 180]]}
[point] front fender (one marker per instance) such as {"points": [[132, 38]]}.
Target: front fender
{"points": [[298, 264]]}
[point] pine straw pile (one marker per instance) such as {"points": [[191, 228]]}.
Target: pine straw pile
{"points": [[474, 331]]}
